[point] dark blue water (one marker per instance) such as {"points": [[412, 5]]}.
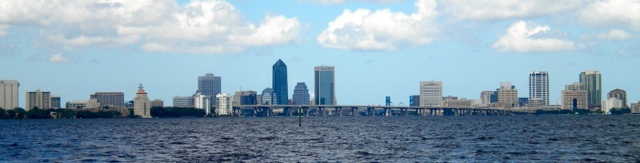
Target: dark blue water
{"points": [[332, 139]]}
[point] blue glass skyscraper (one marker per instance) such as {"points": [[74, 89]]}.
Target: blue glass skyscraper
{"points": [[279, 83]]}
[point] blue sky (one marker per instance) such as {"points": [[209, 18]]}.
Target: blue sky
{"points": [[378, 47]]}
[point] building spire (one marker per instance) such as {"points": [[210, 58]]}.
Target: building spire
{"points": [[141, 90]]}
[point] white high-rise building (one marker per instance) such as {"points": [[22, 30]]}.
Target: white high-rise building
{"points": [[9, 94], [202, 101], [431, 93], [141, 104], [38, 99], [539, 87], [609, 104], [223, 104]]}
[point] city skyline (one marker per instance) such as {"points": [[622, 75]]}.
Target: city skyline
{"points": [[469, 46]]}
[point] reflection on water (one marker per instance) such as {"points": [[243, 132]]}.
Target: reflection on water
{"points": [[348, 139]]}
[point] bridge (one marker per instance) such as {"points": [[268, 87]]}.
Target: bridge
{"points": [[370, 110]]}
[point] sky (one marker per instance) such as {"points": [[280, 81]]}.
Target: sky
{"points": [[379, 48]]}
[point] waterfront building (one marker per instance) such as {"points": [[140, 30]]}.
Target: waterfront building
{"points": [[223, 104], [523, 101], [141, 104], [279, 83], [414, 100], [301, 94], [183, 101], [539, 88], [55, 102], [609, 104], [507, 95], [93, 104], [201, 101], [635, 108], [111, 99], [38, 99], [574, 96], [76, 104], [485, 97], [209, 85], [157, 103], [431, 93], [592, 82], [268, 97], [457, 103], [324, 85], [9, 94], [245, 98], [619, 94]]}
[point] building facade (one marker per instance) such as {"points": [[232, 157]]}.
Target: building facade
{"points": [[183, 101], [325, 85], [539, 87], [55, 101], [457, 103], [431, 93], [209, 85], [619, 94], [245, 98], [507, 95], [485, 97], [201, 101], [635, 108], [38, 99], [574, 96], [592, 82], [157, 103], [141, 104], [111, 99], [279, 83], [224, 104], [301, 94], [414, 100], [609, 104], [9, 94], [268, 97]]}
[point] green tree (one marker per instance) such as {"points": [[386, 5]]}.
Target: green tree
{"points": [[19, 113], [3, 113], [37, 113]]}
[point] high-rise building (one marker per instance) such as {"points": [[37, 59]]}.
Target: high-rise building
{"points": [[539, 87], [38, 99], [301, 94], [268, 97], [183, 101], [592, 82], [507, 95], [202, 102], [619, 94], [431, 93], [111, 99], [209, 85], [279, 83], [635, 108], [55, 101], [609, 104], [223, 104], [414, 100], [574, 96], [141, 104], [325, 91], [245, 98], [485, 97], [9, 94]]}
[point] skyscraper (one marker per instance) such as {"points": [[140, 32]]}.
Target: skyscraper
{"points": [[324, 85], [591, 80], [268, 97], [539, 88], [209, 85], [38, 99], [279, 83], [574, 96], [431, 93], [618, 94], [223, 104], [9, 94], [301, 94]]}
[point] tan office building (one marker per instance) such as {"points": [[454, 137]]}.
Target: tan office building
{"points": [[9, 94], [574, 96]]}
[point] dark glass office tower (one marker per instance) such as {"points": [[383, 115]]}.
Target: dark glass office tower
{"points": [[301, 94], [325, 85], [209, 85], [279, 83]]}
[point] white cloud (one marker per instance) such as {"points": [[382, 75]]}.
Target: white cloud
{"points": [[614, 34], [382, 29], [201, 26], [520, 37], [59, 58], [493, 10], [608, 13]]}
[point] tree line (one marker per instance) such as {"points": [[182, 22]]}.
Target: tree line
{"points": [[37, 113], [613, 111]]}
